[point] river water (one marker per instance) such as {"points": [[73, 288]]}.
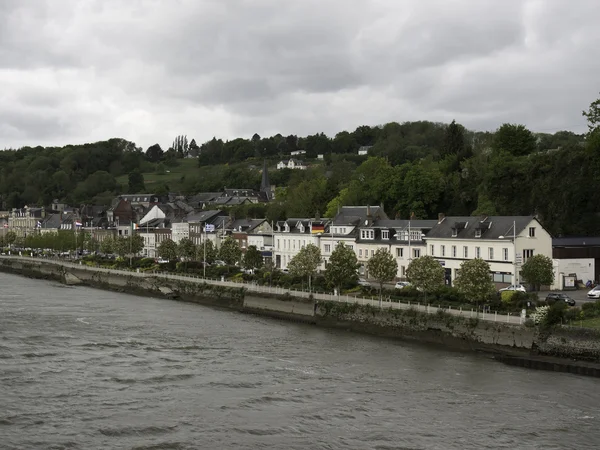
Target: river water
{"points": [[87, 369]]}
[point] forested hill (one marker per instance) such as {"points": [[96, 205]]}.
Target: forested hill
{"points": [[415, 167]]}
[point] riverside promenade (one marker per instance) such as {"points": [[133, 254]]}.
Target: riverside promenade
{"points": [[255, 288]]}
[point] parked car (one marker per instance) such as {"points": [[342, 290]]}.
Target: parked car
{"points": [[364, 283], [557, 296], [514, 287], [402, 284], [594, 293]]}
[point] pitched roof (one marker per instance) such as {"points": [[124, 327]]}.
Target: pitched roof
{"points": [[491, 227], [51, 221], [203, 216], [356, 215]]}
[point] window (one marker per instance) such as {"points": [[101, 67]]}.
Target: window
{"points": [[403, 270], [491, 252], [431, 249], [465, 252], [294, 244], [477, 252], [505, 254], [372, 252], [385, 234], [416, 253], [527, 254], [454, 232], [360, 253], [443, 249], [367, 234], [399, 253], [454, 251], [327, 248], [477, 233], [531, 231]]}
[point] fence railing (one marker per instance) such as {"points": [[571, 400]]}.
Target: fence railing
{"points": [[277, 290]]}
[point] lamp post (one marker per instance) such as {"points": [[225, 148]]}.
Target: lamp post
{"points": [[514, 239]]}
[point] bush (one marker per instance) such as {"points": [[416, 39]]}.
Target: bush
{"points": [[448, 294], [590, 310]]}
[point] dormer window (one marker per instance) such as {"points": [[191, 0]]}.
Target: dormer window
{"points": [[367, 234], [477, 233], [385, 234], [454, 232]]}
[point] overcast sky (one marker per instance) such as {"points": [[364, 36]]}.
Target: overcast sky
{"points": [[75, 71]]}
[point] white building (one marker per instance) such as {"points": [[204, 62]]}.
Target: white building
{"points": [[505, 242], [289, 236], [402, 238], [364, 150], [179, 230], [291, 164], [298, 152]]}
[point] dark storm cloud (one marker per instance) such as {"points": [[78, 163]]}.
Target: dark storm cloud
{"points": [[147, 70]]}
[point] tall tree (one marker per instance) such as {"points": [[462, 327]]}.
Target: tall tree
{"points": [[514, 139], [426, 274], [230, 251], [167, 249], [538, 271], [382, 267], [186, 250], [474, 280], [136, 182], [253, 258], [154, 153], [593, 115], [306, 262], [342, 267]]}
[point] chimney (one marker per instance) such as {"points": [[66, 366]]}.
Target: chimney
{"points": [[412, 216], [398, 216], [368, 211], [317, 216], [441, 217]]}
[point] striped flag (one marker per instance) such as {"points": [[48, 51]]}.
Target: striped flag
{"points": [[318, 228], [77, 223], [134, 226]]}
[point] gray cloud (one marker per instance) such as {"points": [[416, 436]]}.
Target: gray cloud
{"points": [[147, 70]]}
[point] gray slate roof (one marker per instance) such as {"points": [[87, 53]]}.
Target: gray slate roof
{"points": [[491, 227], [356, 215]]}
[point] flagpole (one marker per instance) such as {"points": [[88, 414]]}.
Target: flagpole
{"points": [[204, 265]]}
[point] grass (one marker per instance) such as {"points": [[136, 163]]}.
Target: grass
{"points": [[587, 323], [172, 176]]}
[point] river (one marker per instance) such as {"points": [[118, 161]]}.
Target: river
{"points": [[87, 369]]}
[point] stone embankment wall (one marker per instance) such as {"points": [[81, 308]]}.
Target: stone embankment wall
{"points": [[440, 328]]}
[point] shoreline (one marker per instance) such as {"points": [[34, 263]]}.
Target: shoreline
{"points": [[561, 350]]}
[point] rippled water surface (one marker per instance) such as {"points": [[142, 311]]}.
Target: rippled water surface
{"points": [[88, 369]]}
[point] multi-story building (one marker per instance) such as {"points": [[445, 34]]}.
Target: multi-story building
{"points": [[289, 236], [505, 242], [402, 238], [25, 220]]}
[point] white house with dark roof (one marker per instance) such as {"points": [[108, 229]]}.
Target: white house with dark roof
{"points": [[291, 164], [345, 225], [290, 235], [404, 239], [505, 242]]}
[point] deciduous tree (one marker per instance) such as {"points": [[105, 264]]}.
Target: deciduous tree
{"points": [[382, 267], [474, 280], [342, 267], [425, 273], [253, 258], [306, 262], [230, 252], [167, 249], [538, 271]]}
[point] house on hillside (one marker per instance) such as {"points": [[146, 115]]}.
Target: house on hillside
{"points": [[291, 164], [364, 150]]}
